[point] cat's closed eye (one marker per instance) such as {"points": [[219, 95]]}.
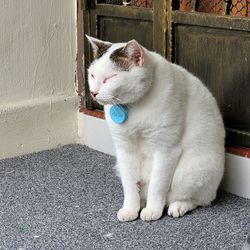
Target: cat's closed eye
{"points": [[109, 77], [92, 76]]}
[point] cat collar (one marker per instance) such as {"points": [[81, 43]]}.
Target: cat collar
{"points": [[118, 113]]}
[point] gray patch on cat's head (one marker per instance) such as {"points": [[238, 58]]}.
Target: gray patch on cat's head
{"points": [[99, 47], [102, 49], [120, 58], [127, 56]]}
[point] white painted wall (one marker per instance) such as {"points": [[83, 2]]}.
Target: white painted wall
{"points": [[37, 71]]}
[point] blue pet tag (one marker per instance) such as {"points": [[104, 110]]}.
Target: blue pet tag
{"points": [[118, 113]]}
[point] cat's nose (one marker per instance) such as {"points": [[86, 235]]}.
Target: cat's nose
{"points": [[94, 94]]}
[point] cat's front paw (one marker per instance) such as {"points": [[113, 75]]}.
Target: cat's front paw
{"points": [[127, 214], [148, 214]]}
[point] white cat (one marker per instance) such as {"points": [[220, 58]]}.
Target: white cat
{"points": [[170, 150]]}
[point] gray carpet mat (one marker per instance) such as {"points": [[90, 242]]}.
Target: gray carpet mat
{"points": [[67, 198]]}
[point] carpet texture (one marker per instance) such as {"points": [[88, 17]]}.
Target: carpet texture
{"points": [[67, 198]]}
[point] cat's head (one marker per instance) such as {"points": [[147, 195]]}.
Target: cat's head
{"points": [[120, 72]]}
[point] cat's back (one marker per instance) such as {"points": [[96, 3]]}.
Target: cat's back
{"points": [[202, 111], [188, 96], [190, 87]]}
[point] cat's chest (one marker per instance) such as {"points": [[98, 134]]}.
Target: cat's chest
{"points": [[130, 122]]}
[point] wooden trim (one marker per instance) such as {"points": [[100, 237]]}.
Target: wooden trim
{"points": [[160, 26], [240, 151], [169, 31], [211, 20], [192, 5], [237, 137], [124, 12], [79, 58], [95, 113], [86, 51]]}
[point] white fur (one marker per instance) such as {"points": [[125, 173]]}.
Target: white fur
{"points": [[170, 151]]}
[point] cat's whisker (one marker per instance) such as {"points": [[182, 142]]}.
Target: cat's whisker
{"points": [[116, 98], [122, 106], [112, 99], [115, 105]]}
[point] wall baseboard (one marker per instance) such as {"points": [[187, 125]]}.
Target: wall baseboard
{"points": [[237, 175], [37, 124], [94, 133]]}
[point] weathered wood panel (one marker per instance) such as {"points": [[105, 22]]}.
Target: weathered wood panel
{"points": [[221, 58], [123, 29]]}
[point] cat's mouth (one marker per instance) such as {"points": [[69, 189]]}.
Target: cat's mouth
{"points": [[103, 102], [106, 100]]}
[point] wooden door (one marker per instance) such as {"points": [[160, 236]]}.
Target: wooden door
{"points": [[120, 23], [216, 48]]}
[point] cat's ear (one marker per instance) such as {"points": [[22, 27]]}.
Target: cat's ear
{"points": [[132, 54], [135, 52], [99, 47]]}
